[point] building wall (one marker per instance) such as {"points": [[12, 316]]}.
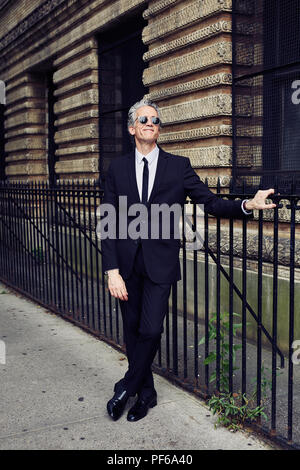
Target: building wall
{"points": [[187, 70]]}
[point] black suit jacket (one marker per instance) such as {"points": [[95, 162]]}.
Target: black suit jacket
{"points": [[174, 181]]}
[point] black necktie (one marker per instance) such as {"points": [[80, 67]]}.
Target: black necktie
{"points": [[145, 181]]}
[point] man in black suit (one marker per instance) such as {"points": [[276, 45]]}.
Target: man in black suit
{"points": [[141, 270]]}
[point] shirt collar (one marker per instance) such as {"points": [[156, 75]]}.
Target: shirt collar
{"points": [[150, 156]]}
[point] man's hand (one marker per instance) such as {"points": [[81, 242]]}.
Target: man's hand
{"points": [[259, 200], [116, 285]]}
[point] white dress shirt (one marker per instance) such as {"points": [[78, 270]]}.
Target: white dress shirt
{"points": [[152, 158]]}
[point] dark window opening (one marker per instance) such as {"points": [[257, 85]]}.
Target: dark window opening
{"points": [[2, 142], [120, 86], [266, 101], [50, 119]]}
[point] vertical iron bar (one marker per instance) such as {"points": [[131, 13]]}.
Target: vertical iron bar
{"points": [[293, 204], [184, 294], [87, 308], [195, 266], [274, 321], [80, 253], [97, 260], [90, 192], [68, 258], [259, 307], [46, 241], [76, 313], [218, 309], [206, 287], [71, 248], [244, 311], [57, 249], [231, 273], [62, 250], [174, 328]]}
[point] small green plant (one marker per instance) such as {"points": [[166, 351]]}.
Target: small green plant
{"points": [[232, 409], [224, 347]]}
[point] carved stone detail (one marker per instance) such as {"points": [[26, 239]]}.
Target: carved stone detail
{"points": [[90, 114], [88, 62], [220, 156], [77, 101], [252, 247], [218, 105], [212, 181], [45, 9], [85, 149], [187, 87], [220, 53], [89, 131], [179, 19], [199, 133], [197, 36], [85, 165], [158, 7]]}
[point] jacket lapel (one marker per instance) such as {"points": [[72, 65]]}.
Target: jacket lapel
{"points": [[132, 177], [160, 169]]}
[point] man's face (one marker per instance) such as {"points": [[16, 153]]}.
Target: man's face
{"points": [[148, 132]]}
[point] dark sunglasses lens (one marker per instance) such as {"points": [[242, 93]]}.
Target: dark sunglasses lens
{"points": [[142, 119], [156, 120]]}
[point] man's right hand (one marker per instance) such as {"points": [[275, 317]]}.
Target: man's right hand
{"points": [[116, 285]]}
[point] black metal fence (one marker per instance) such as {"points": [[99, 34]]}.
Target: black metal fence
{"points": [[233, 321]]}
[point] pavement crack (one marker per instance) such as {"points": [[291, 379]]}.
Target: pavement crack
{"points": [[50, 426]]}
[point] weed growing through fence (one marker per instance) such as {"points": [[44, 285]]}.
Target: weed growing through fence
{"points": [[232, 409]]}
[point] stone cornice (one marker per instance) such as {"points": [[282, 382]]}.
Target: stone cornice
{"points": [[210, 81], [220, 156], [217, 105], [158, 7], [252, 247], [197, 36], [198, 133], [43, 10], [215, 54], [179, 19]]}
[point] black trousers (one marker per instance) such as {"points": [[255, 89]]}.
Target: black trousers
{"points": [[143, 316]]}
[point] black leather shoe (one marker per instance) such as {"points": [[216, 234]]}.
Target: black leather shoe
{"points": [[116, 405], [140, 408]]}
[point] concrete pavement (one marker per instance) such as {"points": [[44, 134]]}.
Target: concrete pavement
{"points": [[57, 379]]}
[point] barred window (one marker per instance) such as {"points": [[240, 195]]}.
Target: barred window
{"points": [[266, 93]]}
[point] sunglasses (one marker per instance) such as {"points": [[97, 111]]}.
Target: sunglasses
{"points": [[143, 119]]}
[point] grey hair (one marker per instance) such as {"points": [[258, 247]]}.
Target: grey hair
{"points": [[136, 106]]}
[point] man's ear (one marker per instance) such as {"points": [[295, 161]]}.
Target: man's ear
{"points": [[131, 130]]}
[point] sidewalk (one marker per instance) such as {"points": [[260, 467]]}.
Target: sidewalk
{"points": [[57, 380]]}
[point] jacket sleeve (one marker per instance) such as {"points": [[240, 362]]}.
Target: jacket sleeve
{"points": [[108, 244], [199, 193]]}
